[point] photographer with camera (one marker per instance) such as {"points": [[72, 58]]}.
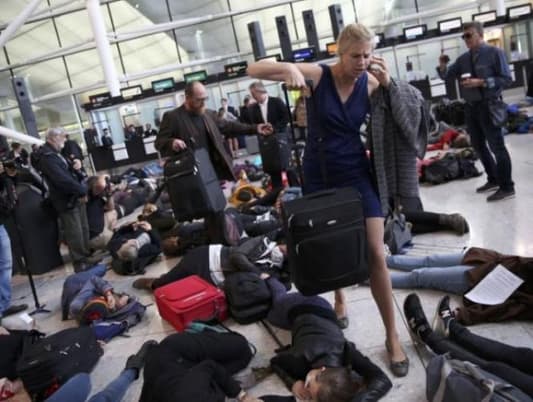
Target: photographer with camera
{"points": [[68, 194], [101, 213]]}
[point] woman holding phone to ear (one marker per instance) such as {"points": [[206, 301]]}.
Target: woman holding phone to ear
{"points": [[343, 94]]}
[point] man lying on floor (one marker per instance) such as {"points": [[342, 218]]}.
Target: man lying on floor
{"points": [[260, 255]]}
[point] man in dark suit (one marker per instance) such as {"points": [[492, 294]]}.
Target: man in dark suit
{"points": [[193, 123], [107, 141], [270, 109], [149, 131]]}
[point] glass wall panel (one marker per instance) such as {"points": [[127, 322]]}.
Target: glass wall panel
{"points": [[75, 28], [85, 68], [56, 112], [207, 40], [44, 78], [31, 40], [148, 52]]}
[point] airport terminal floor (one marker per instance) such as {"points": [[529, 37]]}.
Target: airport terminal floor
{"points": [[505, 226]]}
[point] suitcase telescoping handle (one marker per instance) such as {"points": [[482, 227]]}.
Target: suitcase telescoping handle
{"points": [[320, 194], [285, 90]]}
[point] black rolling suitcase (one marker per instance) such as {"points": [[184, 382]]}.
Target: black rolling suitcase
{"points": [[326, 240], [326, 237], [193, 186]]}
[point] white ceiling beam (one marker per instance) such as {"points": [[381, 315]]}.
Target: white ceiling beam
{"points": [[18, 22]]}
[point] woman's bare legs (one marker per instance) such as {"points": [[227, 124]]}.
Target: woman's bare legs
{"points": [[380, 286]]}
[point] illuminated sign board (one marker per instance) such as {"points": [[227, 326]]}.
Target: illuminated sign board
{"points": [[99, 99], [200, 75], [451, 25], [305, 54], [130, 92], [163, 85], [518, 11], [235, 69], [488, 16], [414, 32]]}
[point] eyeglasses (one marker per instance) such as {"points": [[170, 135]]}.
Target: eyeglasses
{"points": [[467, 35], [202, 100]]}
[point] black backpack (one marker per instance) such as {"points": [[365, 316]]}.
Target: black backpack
{"points": [[248, 297], [47, 363]]}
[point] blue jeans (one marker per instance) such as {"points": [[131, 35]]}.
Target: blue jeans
{"points": [[6, 265], [487, 140], [77, 389], [438, 271]]}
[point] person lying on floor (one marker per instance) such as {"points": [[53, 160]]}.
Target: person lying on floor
{"points": [[513, 364], [135, 242], [320, 363], [256, 254], [96, 300], [161, 222], [445, 272], [196, 367], [459, 272], [78, 387]]}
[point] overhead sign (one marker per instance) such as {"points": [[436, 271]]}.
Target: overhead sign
{"points": [[305, 54], [451, 25], [200, 75], [163, 85], [414, 32], [486, 17], [236, 69], [130, 92]]}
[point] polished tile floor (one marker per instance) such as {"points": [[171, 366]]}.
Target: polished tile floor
{"points": [[506, 226]]}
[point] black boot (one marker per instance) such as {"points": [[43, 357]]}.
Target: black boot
{"points": [[416, 319], [137, 360], [455, 222]]}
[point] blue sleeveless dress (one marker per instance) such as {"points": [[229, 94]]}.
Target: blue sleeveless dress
{"points": [[338, 123]]}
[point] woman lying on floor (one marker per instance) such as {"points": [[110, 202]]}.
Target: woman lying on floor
{"points": [[320, 364]]}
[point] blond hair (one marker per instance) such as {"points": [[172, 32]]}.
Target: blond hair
{"points": [[353, 32]]}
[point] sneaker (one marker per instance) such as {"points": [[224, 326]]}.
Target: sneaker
{"points": [[443, 316], [488, 186], [501, 195], [416, 319], [137, 360]]}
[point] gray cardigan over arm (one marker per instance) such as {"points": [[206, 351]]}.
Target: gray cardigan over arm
{"points": [[399, 126]]}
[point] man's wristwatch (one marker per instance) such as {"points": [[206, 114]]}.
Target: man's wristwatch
{"points": [[241, 395]]}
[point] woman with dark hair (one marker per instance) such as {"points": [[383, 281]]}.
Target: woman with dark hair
{"points": [[320, 364]]}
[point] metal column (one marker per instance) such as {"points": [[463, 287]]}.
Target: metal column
{"points": [[104, 49]]}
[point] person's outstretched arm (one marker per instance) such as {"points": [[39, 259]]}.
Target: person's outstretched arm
{"points": [[377, 382], [294, 75]]}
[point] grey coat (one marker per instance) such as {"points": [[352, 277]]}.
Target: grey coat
{"points": [[399, 126]]}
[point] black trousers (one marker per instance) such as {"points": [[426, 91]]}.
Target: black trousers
{"points": [[513, 364], [194, 262]]}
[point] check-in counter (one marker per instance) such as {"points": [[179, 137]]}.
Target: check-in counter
{"points": [[136, 150]]}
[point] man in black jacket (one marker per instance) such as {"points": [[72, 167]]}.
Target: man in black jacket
{"points": [[68, 195], [270, 109], [259, 255]]}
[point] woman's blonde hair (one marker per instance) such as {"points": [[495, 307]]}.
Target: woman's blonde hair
{"points": [[354, 32]]}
